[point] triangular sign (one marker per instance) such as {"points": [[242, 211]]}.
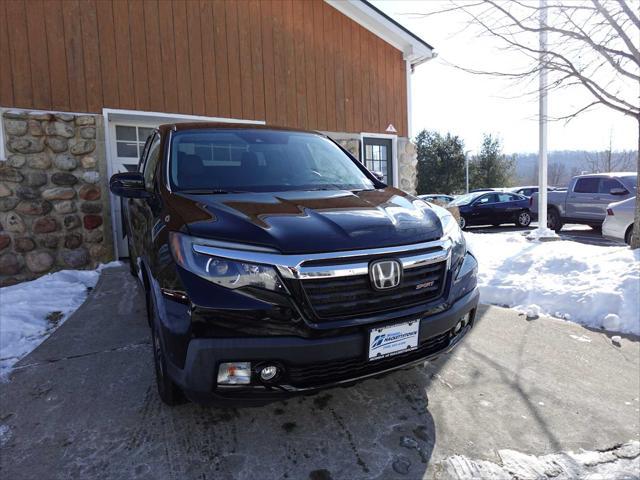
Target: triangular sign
{"points": [[391, 129]]}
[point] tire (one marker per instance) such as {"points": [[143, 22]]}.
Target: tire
{"points": [[554, 221], [462, 222], [169, 392], [523, 219], [628, 235]]}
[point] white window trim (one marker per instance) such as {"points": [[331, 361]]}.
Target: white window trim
{"points": [[144, 117], [3, 153], [394, 152]]}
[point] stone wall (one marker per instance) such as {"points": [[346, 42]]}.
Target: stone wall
{"points": [[54, 210]]}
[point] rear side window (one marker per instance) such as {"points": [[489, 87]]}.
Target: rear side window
{"points": [[609, 183], [587, 185]]}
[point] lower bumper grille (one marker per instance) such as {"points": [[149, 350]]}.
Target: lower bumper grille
{"points": [[348, 296], [335, 371]]}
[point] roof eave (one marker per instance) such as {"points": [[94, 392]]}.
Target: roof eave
{"points": [[415, 50]]}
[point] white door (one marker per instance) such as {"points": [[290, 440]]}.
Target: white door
{"points": [[127, 141]]}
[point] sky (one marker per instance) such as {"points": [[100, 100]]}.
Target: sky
{"points": [[448, 99]]}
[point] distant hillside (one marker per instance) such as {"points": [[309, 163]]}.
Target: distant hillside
{"points": [[566, 163]]}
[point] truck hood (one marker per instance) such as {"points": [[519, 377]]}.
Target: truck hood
{"points": [[309, 221]]}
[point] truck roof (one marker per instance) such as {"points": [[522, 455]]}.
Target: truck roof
{"points": [[607, 174]]}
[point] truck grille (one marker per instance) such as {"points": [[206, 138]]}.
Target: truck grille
{"points": [[337, 370], [349, 296]]}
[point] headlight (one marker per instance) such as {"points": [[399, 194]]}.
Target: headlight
{"points": [[451, 230], [222, 271]]}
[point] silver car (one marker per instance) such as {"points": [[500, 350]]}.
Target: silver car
{"points": [[618, 224]]}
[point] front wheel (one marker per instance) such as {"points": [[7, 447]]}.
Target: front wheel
{"points": [[169, 392], [462, 222], [524, 219]]}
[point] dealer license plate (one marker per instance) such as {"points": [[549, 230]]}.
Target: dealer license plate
{"points": [[394, 339]]}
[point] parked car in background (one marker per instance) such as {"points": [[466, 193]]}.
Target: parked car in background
{"points": [[586, 199], [438, 198], [275, 263], [618, 224], [492, 208]]}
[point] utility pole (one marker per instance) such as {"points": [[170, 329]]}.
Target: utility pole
{"points": [[466, 166]]}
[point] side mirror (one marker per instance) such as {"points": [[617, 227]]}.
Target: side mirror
{"points": [[128, 185], [379, 176], [618, 191]]}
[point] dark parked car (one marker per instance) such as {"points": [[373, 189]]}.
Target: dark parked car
{"points": [[493, 208], [275, 263]]}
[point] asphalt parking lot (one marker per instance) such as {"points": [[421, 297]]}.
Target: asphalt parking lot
{"points": [[84, 405], [575, 233]]}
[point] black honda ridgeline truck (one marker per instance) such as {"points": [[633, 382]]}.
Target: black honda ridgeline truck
{"points": [[275, 263]]}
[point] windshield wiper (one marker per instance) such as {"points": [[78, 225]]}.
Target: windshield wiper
{"points": [[208, 191]]}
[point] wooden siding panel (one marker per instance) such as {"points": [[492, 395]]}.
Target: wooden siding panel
{"points": [[6, 79], [36, 31], [299, 63], [139, 55], [108, 54], [208, 57], [168, 56], [244, 54], [195, 57], [233, 57], [279, 62], [123, 60], [310, 55], [257, 59], [183, 68], [289, 62], [91, 56], [154, 55], [329, 64], [75, 57], [18, 42], [222, 64], [319, 49], [268, 41], [357, 77]]}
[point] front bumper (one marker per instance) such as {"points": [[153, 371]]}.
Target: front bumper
{"points": [[310, 364]]}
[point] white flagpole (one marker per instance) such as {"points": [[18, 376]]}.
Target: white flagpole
{"points": [[542, 160]]}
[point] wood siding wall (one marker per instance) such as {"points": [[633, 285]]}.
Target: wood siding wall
{"points": [[289, 62]]}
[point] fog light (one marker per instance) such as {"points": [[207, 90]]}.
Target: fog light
{"points": [[268, 373], [457, 328], [465, 319], [234, 373]]}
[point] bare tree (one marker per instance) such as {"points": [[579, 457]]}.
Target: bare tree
{"points": [[592, 44], [557, 173]]}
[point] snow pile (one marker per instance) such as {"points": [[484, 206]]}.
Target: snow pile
{"points": [[31, 311], [619, 462], [588, 284]]}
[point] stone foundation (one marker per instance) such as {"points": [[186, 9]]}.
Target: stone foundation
{"points": [[54, 203]]}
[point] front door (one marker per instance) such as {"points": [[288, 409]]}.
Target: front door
{"points": [[378, 157], [127, 142]]}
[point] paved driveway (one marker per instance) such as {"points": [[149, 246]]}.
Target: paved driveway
{"points": [[83, 405]]}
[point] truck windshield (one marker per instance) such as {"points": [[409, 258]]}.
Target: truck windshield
{"points": [[256, 160]]}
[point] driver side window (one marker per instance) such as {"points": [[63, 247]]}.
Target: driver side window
{"points": [[149, 167]]}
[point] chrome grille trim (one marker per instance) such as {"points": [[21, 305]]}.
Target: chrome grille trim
{"points": [[292, 265]]}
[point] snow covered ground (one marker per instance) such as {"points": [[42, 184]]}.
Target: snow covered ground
{"points": [[31, 311], [622, 462], [592, 285]]}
